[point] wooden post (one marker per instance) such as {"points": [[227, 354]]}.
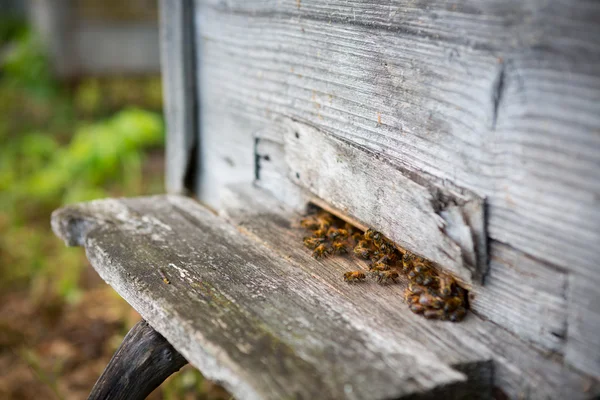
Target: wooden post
{"points": [[142, 362]]}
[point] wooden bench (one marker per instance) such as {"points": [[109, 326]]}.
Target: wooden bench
{"points": [[465, 132]]}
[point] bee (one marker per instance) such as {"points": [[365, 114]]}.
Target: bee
{"points": [[354, 276], [321, 251], [410, 297], [434, 314], [357, 236], [415, 289], [452, 304], [312, 243], [325, 220], [339, 247], [446, 283], [310, 223], [407, 261], [387, 277], [422, 274], [362, 252], [373, 235], [337, 233], [429, 300], [458, 314], [164, 277], [416, 308], [320, 233], [379, 266]]}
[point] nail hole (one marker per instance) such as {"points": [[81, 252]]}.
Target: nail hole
{"points": [[297, 135], [267, 158], [297, 175]]}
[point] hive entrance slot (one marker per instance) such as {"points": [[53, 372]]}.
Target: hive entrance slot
{"points": [[431, 292]]}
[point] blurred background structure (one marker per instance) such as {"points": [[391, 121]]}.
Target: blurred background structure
{"points": [[80, 119]]}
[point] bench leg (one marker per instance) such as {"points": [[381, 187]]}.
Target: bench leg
{"points": [[142, 362]]}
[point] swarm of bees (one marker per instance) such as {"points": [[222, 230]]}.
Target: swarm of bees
{"points": [[430, 293]]}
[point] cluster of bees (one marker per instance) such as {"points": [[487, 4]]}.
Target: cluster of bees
{"points": [[430, 293]]}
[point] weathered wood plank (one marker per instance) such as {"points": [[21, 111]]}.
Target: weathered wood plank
{"points": [[426, 219], [178, 65], [583, 347], [482, 94], [246, 316], [520, 370], [142, 362], [525, 297]]}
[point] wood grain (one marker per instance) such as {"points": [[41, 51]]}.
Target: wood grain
{"points": [[500, 98], [180, 92], [141, 363], [248, 317], [527, 367], [525, 297], [417, 215], [583, 347]]}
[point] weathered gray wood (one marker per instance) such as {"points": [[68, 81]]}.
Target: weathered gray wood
{"points": [[497, 97], [265, 326], [583, 348], [142, 362], [520, 370], [501, 98], [428, 220], [525, 297], [178, 52]]}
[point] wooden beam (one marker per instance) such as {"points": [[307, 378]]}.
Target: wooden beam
{"points": [[179, 77], [141, 363]]}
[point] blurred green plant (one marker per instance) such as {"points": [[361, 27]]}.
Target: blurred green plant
{"points": [[50, 157]]}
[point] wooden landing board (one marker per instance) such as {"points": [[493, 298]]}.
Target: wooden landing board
{"points": [[250, 308], [248, 317]]}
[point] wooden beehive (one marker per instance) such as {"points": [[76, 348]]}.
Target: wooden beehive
{"points": [[468, 132]]}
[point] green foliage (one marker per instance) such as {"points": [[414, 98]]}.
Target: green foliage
{"points": [[48, 157]]}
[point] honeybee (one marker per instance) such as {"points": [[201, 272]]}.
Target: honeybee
{"points": [[164, 277], [379, 266], [321, 251], [354, 276], [434, 314], [407, 261], [312, 242], [417, 308], [310, 223], [362, 252], [422, 274], [446, 283], [320, 233], [373, 235], [429, 300], [339, 247], [325, 220], [415, 289], [410, 297], [337, 233], [452, 304], [387, 277], [357, 236], [458, 314]]}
